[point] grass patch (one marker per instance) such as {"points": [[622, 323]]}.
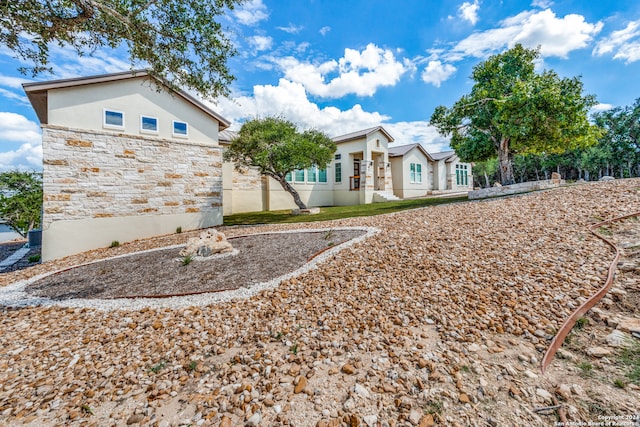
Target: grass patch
{"points": [[337, 212], [581, 323], [433, 407], [586, 368], [159, 367], [187, 259], [630, 358]]}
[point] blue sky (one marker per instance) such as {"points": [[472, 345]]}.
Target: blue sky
{"points": [[341, 66]]}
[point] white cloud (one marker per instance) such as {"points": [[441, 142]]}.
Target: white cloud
{"points": [[291, 29], [622, 43], [289, 99], [420, 132], [324, 30], [251, 12], [360, 73], [26, 157], [261, 42], [556, 36], [12, 82], [469, 11], [436, 72], [600, 108], [542, 4], [15, 128]]}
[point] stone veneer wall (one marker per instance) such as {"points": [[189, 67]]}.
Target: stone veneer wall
{"points": [[93, 175]]}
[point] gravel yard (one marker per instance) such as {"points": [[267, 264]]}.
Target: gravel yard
{"points": [[439, 318]]}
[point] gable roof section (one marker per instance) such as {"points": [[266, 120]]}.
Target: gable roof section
{"points": [[401, 150], [226, 136], [447, 156], [361, 134], [38, 92]]}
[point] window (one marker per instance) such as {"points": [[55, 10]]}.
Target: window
{"points": [[113, 119], [287, 177], [298, 175], [312, 174], [415, 173], [322, 175], [180, 129], [338, 156], [148, 124], [338, 172], [462, 177]]}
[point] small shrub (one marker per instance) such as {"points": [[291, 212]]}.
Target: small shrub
{"points": [[191, 366], [34, 258], [328, 234], [86, 409], [581, 323], [294, 348], [433, 407], [159, 367], [619, 383], [178, 230], [586, 368], [114, 244], [187, 259]]}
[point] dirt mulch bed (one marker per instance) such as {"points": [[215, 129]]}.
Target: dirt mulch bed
{"points": [[161, 273]]}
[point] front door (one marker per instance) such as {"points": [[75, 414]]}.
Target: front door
{"points": [[356, 175]]}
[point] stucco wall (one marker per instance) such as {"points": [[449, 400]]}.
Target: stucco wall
{"points": [[82, 107], [103, 187]]}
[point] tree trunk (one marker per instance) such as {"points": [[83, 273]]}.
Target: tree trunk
{"points": [[289, 189], [506, 165], [487, 184]]}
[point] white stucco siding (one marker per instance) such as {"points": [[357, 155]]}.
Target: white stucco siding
{"points": [[82, 107]]}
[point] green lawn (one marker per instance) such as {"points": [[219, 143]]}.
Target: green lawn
{"points": [[337, 212]]}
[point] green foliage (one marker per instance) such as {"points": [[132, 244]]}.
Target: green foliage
{"points": [[178, 230], [581, 323], [512, 109], [586, 368], [191, 366], [158, 367], [181, 42], [114, 244], [187, 259], [630, 359], [86, 409], [21, 200], [275, 147], [34, 258]]}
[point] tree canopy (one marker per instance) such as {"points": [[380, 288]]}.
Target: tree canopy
{"points": [[275, 147], [178, 41], [512, 109], [21, 200]]}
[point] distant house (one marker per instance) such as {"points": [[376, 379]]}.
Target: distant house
{"points": [[450, 174], [123, 160], [412, 170], [360, 173]]}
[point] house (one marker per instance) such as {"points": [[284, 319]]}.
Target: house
{"points": [[124, 160], [360, 173], [412, 170], [450, 174]]}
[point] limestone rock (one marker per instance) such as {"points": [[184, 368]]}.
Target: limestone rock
{"points": [[598, 352], [209, 242]]}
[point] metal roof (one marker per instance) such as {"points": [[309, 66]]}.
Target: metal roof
{"points": [[360, 134]]}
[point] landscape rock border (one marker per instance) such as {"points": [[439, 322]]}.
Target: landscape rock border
{"points": [[14, 295]]}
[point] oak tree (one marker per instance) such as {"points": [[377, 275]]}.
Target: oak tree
{"points": [[180, 42], [512, 109], [276, 148], [21, 200]]}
